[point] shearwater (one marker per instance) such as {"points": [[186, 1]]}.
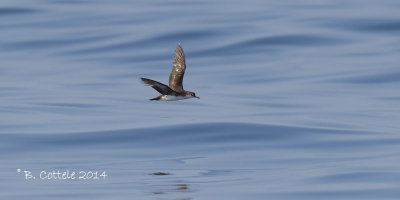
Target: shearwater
{"points": [[175, 89]]}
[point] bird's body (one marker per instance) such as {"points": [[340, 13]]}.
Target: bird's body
{"points": [[172, 97], [174, 91]]}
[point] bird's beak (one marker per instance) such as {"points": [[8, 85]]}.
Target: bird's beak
{"points": [[197, 97]]}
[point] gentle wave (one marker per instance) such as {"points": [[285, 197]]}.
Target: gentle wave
{"points": [[17, 11], [366, 25], [146, 42], [265, 44], [375, 78], [197, 135]]}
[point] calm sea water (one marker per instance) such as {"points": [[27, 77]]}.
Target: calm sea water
{"points": [[299, 100]]}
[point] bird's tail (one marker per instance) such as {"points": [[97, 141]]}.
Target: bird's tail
{"points": [[156, 98]]}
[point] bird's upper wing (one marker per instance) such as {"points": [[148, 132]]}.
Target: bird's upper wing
{"points": [[161, 88], [178, 70]]}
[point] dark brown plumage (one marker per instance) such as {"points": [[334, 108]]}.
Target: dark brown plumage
{"points": [[178, 70], [161, 88]]}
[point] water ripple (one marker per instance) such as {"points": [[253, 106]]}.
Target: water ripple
{"points": [[55, 42], [361, 177], [17, 11], [269, 43], [204, 134], [366, 25], [146, 42], [386, 193], [391, 77]]}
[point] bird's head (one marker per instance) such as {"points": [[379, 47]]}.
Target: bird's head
{"points": [[192, 95]]}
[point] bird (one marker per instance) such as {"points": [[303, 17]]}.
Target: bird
{"points": [[174, 91]]}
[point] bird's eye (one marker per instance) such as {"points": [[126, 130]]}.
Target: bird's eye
{"points": [[193, 94]]}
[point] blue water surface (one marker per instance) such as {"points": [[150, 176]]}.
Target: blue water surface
{"points": [[299, 99]]}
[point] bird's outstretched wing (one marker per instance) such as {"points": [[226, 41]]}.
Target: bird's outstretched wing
{"points": [[161, 88], [178, 70]]}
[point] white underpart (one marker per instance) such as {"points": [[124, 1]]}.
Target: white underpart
{"points": [[174, 98]]}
